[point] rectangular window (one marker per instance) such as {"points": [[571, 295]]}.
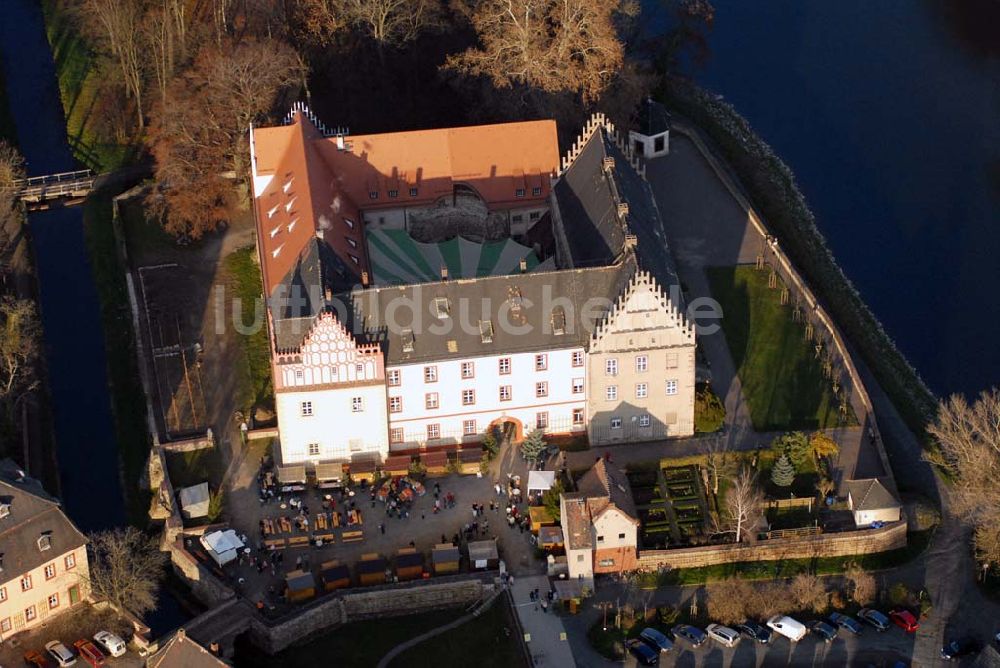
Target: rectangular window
{"points": [[396, 435], [372, 194], [70, 561], [468, 397], [394, 378], [519, 192], [579, 558], [413, 192], [541, 389], [616, 423], [431, 400], [611, 393], [600, 539], [357, 404], [29, 613], [517, 218], [505, 393], [3, 594], [314, 449], [53, 601], [641, 390], [641, 363], [50, 571], [469, 427], [611, 367], [26, 583], [671, 387], [577, 416], [306, 409], [671, 360], [433, 431], [541, 420], [5, 625], [534, 215], [504, 365], [430, 374], [577, 358], [644, 420], [541, 362], [393, 194], [468, 370], [578, 386], [395, 404], [536, 191]]}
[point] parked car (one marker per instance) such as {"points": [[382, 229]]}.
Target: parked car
{"points": [[62, 654], [656, 640], [959, 648], [875, 618], [845, 622], [110, 643], [752, 629], [693, 635], [89, 653], [723, 634], [904, 619], [823, 630], [790, 628], [642, 652], [35, 658]]}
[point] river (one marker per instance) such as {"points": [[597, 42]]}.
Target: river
{"points": [[887, 112], [70, 309]]}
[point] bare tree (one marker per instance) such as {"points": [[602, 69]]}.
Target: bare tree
{"points": [[808, 593], [125, 569], [552, 45], [20, 336], [11, 218], [969, 437], [393, 22], [743, 506], [728, 599], [863, 587]]}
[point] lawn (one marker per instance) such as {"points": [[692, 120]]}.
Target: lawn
{"points": [[195, 467], [359, 644], [491, 638], [783, 382], [243, 274]]}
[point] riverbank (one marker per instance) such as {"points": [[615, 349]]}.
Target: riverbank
{"points": [[771, 187]]}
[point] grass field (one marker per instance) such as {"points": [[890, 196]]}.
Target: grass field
{"points": [[127, 397], [243, 275], [782, 380], [84, 96]]}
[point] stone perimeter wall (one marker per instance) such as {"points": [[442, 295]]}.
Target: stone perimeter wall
{"points": [[847, 543]]}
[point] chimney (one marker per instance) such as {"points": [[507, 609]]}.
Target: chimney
{"points": [[444, 273], [623, 209], [631, 241], [524, 265], [340, 142], [364, 279]]}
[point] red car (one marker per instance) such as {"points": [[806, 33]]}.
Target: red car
{"points": [[904, 619], [88, 652], [35, 659]]}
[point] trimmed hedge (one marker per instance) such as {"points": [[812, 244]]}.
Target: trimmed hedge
{"points": [[771, 187]]}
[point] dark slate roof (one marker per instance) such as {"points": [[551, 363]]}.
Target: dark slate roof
{"points": [[588, 208], [538, 291], [588, 196], [607, 480], [300, 296], [654, 118], [182, 652], [870, 494], [32, 513]]}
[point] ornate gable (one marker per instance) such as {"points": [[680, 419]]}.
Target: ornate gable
{"points": [[643, 316], [330, 356]]}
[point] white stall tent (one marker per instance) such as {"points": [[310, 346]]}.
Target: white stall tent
{"points": [[540, 481], [223, 546]]}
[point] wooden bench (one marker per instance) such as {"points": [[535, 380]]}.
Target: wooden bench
{"points": [[327, 538], [353, 536], [275, 544], [298, 541]]}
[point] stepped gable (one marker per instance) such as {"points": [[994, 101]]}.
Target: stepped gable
{"points": [[527, 301]]}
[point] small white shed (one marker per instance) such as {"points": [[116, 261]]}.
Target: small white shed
{"points": [[222, 546], [870, 502], [540, 481], [195, 501]]}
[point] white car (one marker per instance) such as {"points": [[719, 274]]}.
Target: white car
{"points": [[111, 643], [723, 634], [62, 655], [788, 627]]}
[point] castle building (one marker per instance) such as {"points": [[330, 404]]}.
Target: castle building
{"points": [[424, 287]]}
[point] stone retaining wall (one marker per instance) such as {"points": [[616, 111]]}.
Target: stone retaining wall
{"points": [[847, 543], [191, 444], [205, 585]]}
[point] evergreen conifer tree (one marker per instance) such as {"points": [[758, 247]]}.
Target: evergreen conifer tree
{"points": [[783, 473]]}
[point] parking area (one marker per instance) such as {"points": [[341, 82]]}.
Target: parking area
{"points": [[80, 623]]}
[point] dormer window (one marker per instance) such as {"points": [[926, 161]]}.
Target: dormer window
{"points": [[45, 541], [393, 194], [486, 331], [372, 194], [413, 192], [536, 191], [4, 510], [441, 307], [290, 204], [558, 321], [407, 337], [519, 192]]}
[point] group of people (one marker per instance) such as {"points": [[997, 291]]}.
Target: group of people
{"points": [[543, 601]]}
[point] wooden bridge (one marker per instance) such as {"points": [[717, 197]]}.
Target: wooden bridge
{"points": [[65, 185]]}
